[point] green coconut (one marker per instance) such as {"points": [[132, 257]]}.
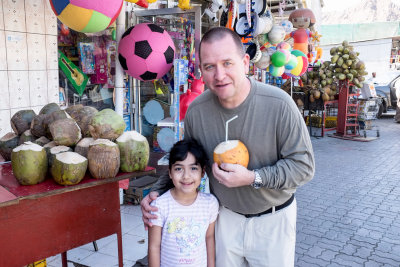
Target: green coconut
{"points": [[65, 132], [104, 159], [82, 148], [7, 143], [135, 151], [21, 121], [56, 150], [29, 163], [107, 124], [68, 168], [49, 108], [26, 136]]}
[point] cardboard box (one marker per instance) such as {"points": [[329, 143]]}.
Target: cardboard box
{"points": [[138, 189]]}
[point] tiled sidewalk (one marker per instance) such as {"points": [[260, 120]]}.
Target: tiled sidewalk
{"points": [[134, 243]]}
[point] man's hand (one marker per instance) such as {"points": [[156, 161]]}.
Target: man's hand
{"points": [[232, 175], [146, 209]]}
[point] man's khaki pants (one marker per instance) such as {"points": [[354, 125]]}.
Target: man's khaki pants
{"points": [[268, 240]]}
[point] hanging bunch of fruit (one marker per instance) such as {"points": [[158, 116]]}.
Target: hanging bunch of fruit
{"points": [[322, 81]]}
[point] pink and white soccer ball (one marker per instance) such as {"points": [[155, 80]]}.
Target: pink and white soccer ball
{"points": [[146, 51]]}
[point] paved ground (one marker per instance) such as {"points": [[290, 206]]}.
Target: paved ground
{"points": [[349, 214]]}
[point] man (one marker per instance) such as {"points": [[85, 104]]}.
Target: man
{"points": [[397, 92], [256, 225]]}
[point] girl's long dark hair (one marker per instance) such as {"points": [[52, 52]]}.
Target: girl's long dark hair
{"points": [[181, 149]]}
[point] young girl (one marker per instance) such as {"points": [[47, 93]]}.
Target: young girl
{"points": [[183, 233]]}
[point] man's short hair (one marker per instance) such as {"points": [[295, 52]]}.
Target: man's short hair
{"points": [[218, 33]]}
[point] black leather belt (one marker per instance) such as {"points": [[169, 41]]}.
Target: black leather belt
{"points": [[284, 205]]}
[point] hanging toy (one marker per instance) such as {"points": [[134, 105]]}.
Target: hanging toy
{"points": [[196, 88], [143, 3], [213, 8], [248, 12], [64, 29], [302, 19], [114, 34], [87, 16], [184, 5], [232, 14]]}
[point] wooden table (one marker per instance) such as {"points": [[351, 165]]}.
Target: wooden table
{"points": [[43, 220]]}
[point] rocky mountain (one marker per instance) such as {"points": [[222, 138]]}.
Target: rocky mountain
{"points": [[366, 11]]}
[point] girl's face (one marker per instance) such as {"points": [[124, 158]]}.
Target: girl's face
{"points": [[301, 22], [186, 175]]}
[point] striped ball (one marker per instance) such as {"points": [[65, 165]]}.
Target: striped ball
{"points": [[87, 15]]}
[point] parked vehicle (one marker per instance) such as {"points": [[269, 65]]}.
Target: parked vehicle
{"points": [[385, 87]]}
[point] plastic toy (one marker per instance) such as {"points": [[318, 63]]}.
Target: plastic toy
{"points": [[87, 16], [302, 19], [184, 5], [146, 51], [196, 88]]}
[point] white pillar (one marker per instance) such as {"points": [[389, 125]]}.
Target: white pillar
{"points": [[119, 72], [119, 78]]}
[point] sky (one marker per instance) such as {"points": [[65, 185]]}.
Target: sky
{"points": [[330, 5]]}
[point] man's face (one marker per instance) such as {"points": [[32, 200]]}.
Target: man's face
{"points": [[224, 70]]}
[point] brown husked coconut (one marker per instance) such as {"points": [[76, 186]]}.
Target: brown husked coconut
{"points": [[68, 168], [49, 108], [21, 121], [48, 146], [26, 136], [38, 128], [72, 110], [7, 143], [52, 117], [135, 151], [107, 124], [82, 148], [83, 117], [104, 159], [29, 163], [65, 132], [41, 141], [57, 150]]}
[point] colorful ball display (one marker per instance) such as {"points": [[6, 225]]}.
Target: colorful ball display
{"points": [[279, 58], [302, 64], [87, 15], [146, 52], [276, 71]]}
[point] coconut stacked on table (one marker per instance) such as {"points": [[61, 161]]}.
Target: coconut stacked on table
{"points": [[45, 142]]}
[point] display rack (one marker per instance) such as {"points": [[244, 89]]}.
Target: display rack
{"points": [[329, 116], [175, 21], [347, 120]]}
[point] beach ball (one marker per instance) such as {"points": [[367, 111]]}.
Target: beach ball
{"points": [[276, 71], [279, 58], [292, 63], [283, 46], [287, 25], [146, 52], [87, 15], [302, 64]]}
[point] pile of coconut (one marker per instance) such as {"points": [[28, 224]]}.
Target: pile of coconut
{"points": [[68, 143]]}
